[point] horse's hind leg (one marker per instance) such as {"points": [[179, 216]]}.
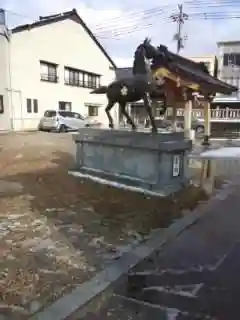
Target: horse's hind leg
{"points": [[107, 110], [124, 112], [147, 105]]}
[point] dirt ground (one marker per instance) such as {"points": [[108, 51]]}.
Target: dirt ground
{"points": [[56, 230]]}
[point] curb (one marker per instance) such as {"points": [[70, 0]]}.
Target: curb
{"points": [[90, 295]]}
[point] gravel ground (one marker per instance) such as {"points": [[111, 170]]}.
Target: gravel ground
{"points": [[56, 230]]}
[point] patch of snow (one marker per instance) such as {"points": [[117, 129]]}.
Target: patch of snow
{"points": [[222, 153], [114, 174], [172, 314], [115, 184]]}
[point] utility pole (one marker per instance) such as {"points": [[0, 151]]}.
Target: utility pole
{"points": [[179, 18]]}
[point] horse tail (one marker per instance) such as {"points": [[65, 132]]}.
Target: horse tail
{"points": [[100, 90]]}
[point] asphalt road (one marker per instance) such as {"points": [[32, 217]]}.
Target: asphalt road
{"points": [[196, 276]]}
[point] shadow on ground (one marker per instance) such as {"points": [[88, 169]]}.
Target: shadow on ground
{"points": [[50, 187]]}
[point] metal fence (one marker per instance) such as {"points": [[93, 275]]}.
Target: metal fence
{"points": [[226, 114]]}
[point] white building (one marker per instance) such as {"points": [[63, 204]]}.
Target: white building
{"points": [[210, 62], [53, 63]]}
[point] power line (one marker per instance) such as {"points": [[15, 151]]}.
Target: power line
{"points": [[160, 9], [140, 20], [192, 17]]}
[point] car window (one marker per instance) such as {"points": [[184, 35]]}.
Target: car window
{"points": [[78, 116], [66, 114], [50, 114]]}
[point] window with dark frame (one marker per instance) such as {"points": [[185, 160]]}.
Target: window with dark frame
{"points": [[72, 76], [64, 106], [92, 110], [1, 104], [80, 78], [231, 59], [48, 71], [32, 105], [35, 105], [29, 105]]}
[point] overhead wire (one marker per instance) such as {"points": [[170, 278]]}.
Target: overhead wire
{"points": [[150, 19], [139, 20]]}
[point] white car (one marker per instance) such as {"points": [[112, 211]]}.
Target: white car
{"points": [[64, 121]]}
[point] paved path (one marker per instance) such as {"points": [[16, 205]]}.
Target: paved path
{"points": [[194, 277]]}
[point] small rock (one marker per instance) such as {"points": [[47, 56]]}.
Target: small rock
{"points": [[96, 241], [50, 209], [19, 156], [34, 306]]}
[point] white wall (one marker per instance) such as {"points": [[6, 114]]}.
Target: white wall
{"points": [[5, 123], [208, 59], [65, 43]]}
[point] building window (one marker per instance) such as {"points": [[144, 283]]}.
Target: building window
{"points": [[72, 76], [1, 104], [92, 111], [29, 106], [231, 59], [35, 106], [64, 106], [48, 71], [32, 105], [81, 78]]}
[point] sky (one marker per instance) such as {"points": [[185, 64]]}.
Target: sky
{"points": [[121, 25]]}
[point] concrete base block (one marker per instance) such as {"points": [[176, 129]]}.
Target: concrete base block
{"points": [[153, 162]]}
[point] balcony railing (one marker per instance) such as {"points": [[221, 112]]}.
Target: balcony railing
{"points": [[216, 114], [49, 77]]}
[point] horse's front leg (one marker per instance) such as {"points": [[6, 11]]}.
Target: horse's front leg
{"points": [[124, 112], [107, 110], [147, 105]]}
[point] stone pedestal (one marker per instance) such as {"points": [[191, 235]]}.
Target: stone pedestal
{"points": [[153, 162]]}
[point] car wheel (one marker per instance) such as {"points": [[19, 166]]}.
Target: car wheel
{"points": [[62, 128], [40, 128], [199, 129]]}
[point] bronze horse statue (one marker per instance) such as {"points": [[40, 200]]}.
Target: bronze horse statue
{"points": [[140, 86]]}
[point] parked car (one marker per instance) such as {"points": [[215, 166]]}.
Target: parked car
{"points": [[197, 125], [64, 121], [166, 123]]}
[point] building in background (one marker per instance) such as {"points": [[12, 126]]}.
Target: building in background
{"points": [[53, 63], [229, 71], [210, 62]]}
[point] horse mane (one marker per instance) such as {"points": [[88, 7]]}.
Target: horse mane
{"points": [[139, 53]]}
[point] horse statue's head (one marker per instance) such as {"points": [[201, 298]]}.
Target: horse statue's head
{"points": [[144, 52]]}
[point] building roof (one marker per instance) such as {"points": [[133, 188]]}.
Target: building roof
{"points": [[231, 42], [192, 71], [63, 16]]}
